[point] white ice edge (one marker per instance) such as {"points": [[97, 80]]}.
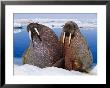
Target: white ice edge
{"points": [[55, 22]]}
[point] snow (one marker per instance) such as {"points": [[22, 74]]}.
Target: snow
{"points": [[88, 24], [57, 23], [93, 71], [17, 25], [33, 70]]}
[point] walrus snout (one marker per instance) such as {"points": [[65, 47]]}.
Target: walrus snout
{"points": [[69, 30], [32, 29]]}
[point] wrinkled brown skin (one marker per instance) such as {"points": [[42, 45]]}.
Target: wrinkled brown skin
{"points": [[44, 50], [77, 54]]}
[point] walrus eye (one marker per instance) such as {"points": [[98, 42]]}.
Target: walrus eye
{"points": [[69, 38], [63, 37], [30, 35], [36, 31]]}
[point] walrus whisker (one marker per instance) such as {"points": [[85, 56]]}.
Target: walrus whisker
{"points": [[40, 38], [69, 38], [36, 31], [63, 37]]}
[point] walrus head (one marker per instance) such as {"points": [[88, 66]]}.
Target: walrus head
{"points": [[33, 30], [69, 30]]}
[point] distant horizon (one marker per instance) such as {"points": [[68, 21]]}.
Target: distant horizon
{"points": [[55, 15], [58, 19]]}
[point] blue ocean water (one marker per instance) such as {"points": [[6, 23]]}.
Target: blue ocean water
{"points": [[21, 42]]}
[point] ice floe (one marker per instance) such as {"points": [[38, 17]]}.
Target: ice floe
{"points": [[33, 70]]}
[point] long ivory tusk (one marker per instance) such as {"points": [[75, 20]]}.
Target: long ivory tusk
{"points": [[69, 38], [36, 31], [30, 35], [63, 37]]}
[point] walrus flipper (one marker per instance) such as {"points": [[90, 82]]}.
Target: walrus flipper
{"points": [[25, 56], [59, 63]]}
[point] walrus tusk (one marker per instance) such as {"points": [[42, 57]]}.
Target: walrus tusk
{"points": [[30, 35], [63, 37], [69, 38], [36, 31]]}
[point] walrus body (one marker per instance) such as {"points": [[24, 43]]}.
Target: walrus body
{"points": [[44, 49], [77, 54]]}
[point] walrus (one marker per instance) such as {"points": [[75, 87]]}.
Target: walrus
{"points": [[45, 49], [76, 52]]}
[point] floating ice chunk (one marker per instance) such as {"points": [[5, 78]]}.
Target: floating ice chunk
{"points": [[57, 23], [17, 30]]}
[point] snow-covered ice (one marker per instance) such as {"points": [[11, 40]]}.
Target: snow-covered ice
{"points": [[33, 70], [57, 23]]}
